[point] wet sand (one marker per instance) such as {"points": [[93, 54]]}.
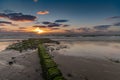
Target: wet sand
{"points": [[87, 60], [81, 68], [25, 65]]}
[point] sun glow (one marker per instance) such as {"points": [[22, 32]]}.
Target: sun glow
{"points": [[38, 30]]}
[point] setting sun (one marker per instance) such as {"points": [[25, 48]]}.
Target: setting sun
{"points": [[38, 30]]}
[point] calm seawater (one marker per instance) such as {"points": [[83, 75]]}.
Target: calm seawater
{"points": [[96, 60], [90, 49], [4, 43]]}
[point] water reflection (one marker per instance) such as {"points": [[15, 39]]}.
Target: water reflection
{"points": [[91, 49], [3, 45]]}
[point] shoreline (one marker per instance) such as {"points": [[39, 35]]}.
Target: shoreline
{"points": [[63, 38]]}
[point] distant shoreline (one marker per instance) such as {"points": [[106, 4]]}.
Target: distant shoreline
{"points": [[8, 40], [63, 38]]}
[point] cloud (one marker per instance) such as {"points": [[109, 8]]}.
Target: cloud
{"points": [[5, 22], [113, 17], [61, 20], [43, 12], [54, 25], [3, 15], [2, 29], [116, 24], [54, 28], [70, 31], [102, 27], [46, 22], [22, 28], [66, 25], [40, 26], [50, 24], [18, 17], [84, 29]]}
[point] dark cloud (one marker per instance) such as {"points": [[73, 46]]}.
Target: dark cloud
{"points": [[70, 31], [18, 17], [57, 23], [113, 17], [46, 22], [5, 22], [102, 27], [116, 24], [54, 28], [21, 17], [84, 29], [54, 25], [40, 26], [61, 21], [3, 15], [65, 25], [50, 24]]}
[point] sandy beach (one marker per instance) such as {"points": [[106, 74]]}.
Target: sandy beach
{"points": [[25, 65], [81, 68]]}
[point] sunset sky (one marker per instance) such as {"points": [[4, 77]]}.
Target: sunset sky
{"points": [[60, 16]]}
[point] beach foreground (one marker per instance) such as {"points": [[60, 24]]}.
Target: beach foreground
{"points": [[20, 66], [88, 60], [76, 60], [81, 68]]}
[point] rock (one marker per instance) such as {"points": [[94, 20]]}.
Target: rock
{"points": [[10, 63], [13, 57], [69, 75]]}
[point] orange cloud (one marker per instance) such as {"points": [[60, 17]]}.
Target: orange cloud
{"points": [[43, 12]]}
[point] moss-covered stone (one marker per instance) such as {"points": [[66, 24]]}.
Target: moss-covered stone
{"points": [[49, 63], [59, 78], [31, 43], [49, 67], [53, 72]]}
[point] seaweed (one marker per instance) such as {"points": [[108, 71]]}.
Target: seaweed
{"points": [[49, 67]]}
